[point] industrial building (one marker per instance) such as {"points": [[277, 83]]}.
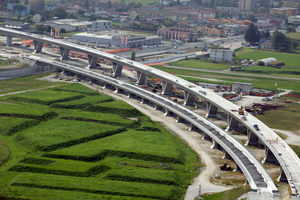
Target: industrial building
{"points": [[69, 24], [242, 87], [221, 54], [16, 26], [117, 39], [103, 25]]}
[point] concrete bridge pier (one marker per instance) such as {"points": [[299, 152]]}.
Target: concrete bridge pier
{"points": [[269, 157], [237, 168], [117, 90], [226, 155], [282, 177], [141, 78], [157, 107], [104, 86], [9, 40], [252, 139], [166, 88], [92, 62], [178, 119], [233, 124], [205, 136], [37, 46], [64, 53], [211, 110], [128, 94], [117, 69], [215, 145], [188, 99], [63, 71], [191, 127], [167, 112], [143, 100]]}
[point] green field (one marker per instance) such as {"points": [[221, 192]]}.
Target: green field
{"points": [[295, 35], [201, 65], [289, 59], [59, 153]]}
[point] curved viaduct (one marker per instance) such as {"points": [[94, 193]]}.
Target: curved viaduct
{"points": [[276, 150]]}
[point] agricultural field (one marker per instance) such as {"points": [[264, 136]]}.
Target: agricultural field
{"points": [[295, 35], [69, 142]]}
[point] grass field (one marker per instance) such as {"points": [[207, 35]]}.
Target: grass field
{"points": [[296, 149], [295, 35], [200, 65], [58, 153], [289, 59], [228, 195]]}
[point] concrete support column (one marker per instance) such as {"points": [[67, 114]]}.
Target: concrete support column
{"points": [[237, 168], [188, 99], [252, 139], [226, 155], [9, 40], [92, 62], [64, 53], [167, 112], [128, 94], [117, 69], [282, 177], [269, 157], [215, 145], [63, 71], [37, 46], [157, 107], [205, 137], [104, 86], [191, 127], [143, 101], [211, 110], [117, 90], [141, 78], [166, 88], [233, 124], [178, 119]]}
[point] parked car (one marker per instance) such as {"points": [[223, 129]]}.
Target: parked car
{"points": [[266, 99]]}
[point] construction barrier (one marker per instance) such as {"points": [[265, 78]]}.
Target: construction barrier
{"points": [[292, 95], [150, 64], [118, 50], [261, 94]]}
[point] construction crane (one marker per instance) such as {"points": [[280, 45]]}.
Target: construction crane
{"points": [[203, 34]]}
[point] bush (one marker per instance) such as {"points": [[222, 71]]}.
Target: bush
{"points": [[260, 63]]}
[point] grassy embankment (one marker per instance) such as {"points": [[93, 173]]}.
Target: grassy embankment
{"points": [[68, 141]]}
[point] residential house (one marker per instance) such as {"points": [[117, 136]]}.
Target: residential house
{"points": [[212, 31], [231, 30], [285, 11], [178, 33], [50, 6], [6, 13], [229, 10], [275, 22], [294, 20], [266, 45], [127, 24]]}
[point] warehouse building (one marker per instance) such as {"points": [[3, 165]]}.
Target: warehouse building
{"points": [[117, 39], [69, 24], [242, 87], [221, 54], [16, 26]]}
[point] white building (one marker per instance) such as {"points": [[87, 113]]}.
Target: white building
{"points": [[166, 2], [230, 10], [221, 54], [231, 29], [103, 25], [68, 24], [294, 19]]}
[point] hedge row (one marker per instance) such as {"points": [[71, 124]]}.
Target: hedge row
{"points": [[37, 161], [65, 89], [121, 154], [132, 125], [271, 71], [81, 140], [90, 191], [122, 112], [78, 106], [148, 126], [29, 100], [44, 117], [93, 171], [23, 126], [119, 177], [277, 63]]}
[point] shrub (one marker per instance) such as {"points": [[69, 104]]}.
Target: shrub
{"points": [[277, 63], [260, 63]]}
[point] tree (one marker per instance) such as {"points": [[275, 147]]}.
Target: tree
{"points": [[290, 29], [19, 8], [81, 12], [37, 5], [109, 4], [62, 30], [59, 12], [18, 16], [62, 1], [261, 10], [26, 2], [41, 28], [279, 41], [49, 29], [267, 34], [86, 4], [251, 18], [137, 17], [252, 35]]}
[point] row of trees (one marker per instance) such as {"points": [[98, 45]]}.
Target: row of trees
{"points": [[278, 40]]}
